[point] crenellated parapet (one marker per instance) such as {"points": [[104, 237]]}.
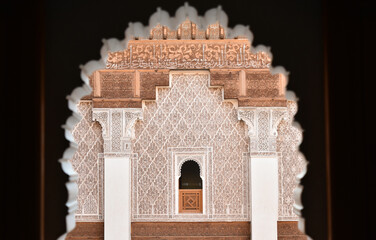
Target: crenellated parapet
{"points": [[188, 47]]}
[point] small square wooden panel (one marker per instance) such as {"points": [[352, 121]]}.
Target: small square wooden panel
{"points": [[190, 201]]}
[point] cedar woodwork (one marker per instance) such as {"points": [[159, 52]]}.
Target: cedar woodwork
{"points": [[186, 230], [87, 230], [190, 201], [127, 88]]}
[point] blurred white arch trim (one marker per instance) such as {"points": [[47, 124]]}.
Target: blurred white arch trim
{"points": [[137, 29]]}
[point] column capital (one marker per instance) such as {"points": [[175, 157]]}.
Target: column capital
{"points": [[117, 128], [262, 125]]}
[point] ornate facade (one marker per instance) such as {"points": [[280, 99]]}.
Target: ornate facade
{"points": [[178, 95]]}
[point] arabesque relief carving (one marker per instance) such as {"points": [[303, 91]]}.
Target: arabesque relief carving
{"points": [[263, 125], [190, 116], [201, 49], [190, 54], [146, 107], [117, 125]]}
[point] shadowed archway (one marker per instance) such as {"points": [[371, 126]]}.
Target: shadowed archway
{"points": [[190, 188]]}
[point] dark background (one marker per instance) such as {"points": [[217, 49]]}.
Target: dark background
{"points": [[313, 40]]}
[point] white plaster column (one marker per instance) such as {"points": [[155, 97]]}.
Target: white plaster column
{"points": [[117, 131], [263, 169], [117, 194], [264, 197]]}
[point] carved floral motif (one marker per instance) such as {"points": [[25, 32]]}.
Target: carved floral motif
{"points": [[89, 165], [292, 162], [118, 124], [190, 115], [187, 115], [262, 127]]}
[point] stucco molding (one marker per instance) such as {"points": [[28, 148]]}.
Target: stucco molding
{"points": [[118, 127], [262, 127]]}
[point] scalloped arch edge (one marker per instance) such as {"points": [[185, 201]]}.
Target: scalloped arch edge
{"points": [[139, 30]]}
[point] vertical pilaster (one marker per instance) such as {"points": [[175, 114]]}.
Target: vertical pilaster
{"points": [[264, 197], [262, 130], [117, 130], [117, 193]]}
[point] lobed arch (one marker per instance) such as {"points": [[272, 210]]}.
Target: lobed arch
{"points": [[188, 159]]}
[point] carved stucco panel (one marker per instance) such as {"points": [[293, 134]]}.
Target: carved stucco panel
{"points": [[292, 162], [272, 133], [117, 125], [262, 127], [88, 163], [171, 118], [189, 114]]}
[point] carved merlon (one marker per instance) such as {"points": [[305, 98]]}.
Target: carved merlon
{"points": [[262, 127], [188, 30], [117, 128]]}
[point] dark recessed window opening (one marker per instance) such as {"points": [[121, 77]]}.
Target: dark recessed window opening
{"points": [[190, 176]]}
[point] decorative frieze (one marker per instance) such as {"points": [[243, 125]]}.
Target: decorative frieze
{"points": [[88, 163], [188, 54], [128, 88], [117, 85]]}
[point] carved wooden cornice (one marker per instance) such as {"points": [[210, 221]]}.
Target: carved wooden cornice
{"points": [[129, 87]]}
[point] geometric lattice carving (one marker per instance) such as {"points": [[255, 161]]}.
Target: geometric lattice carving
{"points": [[292, 162], [190, 200], [189, 114], [209, 121], [271, 132], [89, 165]]}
